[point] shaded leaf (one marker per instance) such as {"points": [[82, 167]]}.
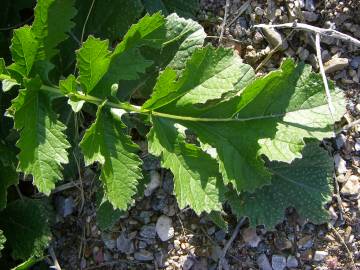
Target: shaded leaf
{"points": [[26, 226], [305, 184], [105, 142]]}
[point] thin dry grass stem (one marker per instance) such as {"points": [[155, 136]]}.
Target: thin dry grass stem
{"points": [[223, 25], [321, 31], [229, 243]]}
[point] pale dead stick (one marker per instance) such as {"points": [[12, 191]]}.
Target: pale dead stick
{"points": [[324, 32], [223, 25], [229, 243]]}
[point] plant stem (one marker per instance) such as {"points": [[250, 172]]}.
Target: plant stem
{"points": [[133, 108]]}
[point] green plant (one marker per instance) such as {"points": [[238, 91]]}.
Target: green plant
{"points": [[257, 139]]}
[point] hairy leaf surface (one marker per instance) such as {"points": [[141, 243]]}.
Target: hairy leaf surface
{"points": [[270, 116], [305, 184], [43, 145], [26, 226], [105, 142], [195, 172]]}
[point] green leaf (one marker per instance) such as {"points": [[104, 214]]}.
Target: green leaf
{"points": [[2, 241], [305, 184], [24, 48], [125, 62], [185, 8], [108, 19], [195, 173], [208, 75], [26, 226], [8, 178], [51, 24], [93, 62], [107, 216], [106, 143], [218, 220], [68, 86], [280, 109], [42, 140], [182, 37]]}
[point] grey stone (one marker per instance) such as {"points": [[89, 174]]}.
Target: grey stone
{"points": [[124, 245], [164, 228], [143, 256], [148, 231], [340, 140], [355, 62], [352, 186], [64, 206], [155, 182], [278, 262], [340, 164], [303, 54], [320, 255], [263, 262], [292, 262], [108, 241], [335, 64]]}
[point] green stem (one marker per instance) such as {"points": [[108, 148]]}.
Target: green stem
{"points": [[132, 108]]}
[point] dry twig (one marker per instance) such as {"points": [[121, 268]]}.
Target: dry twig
{"points": [[240, 11], [321, 31], [348, 251], [229, 243], [53, 257], [223, 25], [322, 72]]}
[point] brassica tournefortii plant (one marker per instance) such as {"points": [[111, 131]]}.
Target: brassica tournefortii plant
{"points": [[229, 138]]}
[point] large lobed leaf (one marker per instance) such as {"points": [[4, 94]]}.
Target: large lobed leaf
{"points": [[106, 142], [305, 184], [196, 178], [269, 116], [26, 226], [43, 145]]}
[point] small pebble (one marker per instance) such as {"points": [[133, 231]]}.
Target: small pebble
{"points": [[263, 262], [292, 262], [340, 164], [352, 186], [143, 256], [155, 182], [320, 255], [164, 228], [278, 262], [335, 64]]}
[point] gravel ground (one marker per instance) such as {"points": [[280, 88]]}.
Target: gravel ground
{"points": [[156, 234]]}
